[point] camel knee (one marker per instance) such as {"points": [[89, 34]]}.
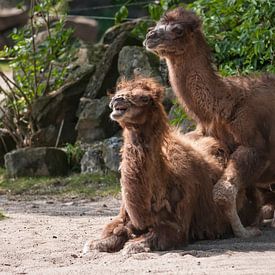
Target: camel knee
{"points": [[224, 193]]}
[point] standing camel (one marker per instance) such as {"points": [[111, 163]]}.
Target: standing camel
{"points": [[239, 112]]}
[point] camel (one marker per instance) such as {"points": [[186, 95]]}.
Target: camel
{"points": [[166, 179], [239, 112]]}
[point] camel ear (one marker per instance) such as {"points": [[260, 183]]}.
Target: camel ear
{"points": [[158, 94], [110, 94]]}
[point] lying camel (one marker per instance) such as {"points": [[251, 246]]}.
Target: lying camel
{"points": [[239, 112], [166, 179]]}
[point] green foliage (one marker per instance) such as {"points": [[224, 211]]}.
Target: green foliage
{"points": [[82, 185], [2, 216], [178, 115], [74, 154], [121, 14], [155, 11], [241, 33], [39, 66]]}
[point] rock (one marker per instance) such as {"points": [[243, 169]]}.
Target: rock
{"points": [[5, 39], [134, 60], [7, 4], [106, 73], [94, 122], [41, 161], [7, 144], [111, 153], [84, 28], [110, 35], [102, 156], [57, 108], [92, 161], [169, 99], [10, 18]]}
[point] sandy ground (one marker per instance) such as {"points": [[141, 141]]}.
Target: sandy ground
{"points": [[46, 237]]}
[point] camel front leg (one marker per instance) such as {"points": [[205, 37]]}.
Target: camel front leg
{"points": [[114, 235], [244, 167], [162, 237]]}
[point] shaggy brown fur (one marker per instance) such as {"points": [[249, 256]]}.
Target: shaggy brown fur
{"points": [[166, 179], [239, 111]]}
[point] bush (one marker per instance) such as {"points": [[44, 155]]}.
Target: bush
{"points": [[38, 68], [241, 33]]}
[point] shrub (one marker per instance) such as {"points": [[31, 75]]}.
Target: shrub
{"points": [[241, 33], [38, 68]]}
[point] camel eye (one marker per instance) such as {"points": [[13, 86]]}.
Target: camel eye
{"points": [[144, 98], [177, 29], [150, 29]]}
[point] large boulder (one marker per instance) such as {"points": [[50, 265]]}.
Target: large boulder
{"points": [[10, 18], [56, 112], [94, 122], [135, 60], [84, 28], [102, 156], [111, 153], [92, 161], [41, 161], [106, 73]]}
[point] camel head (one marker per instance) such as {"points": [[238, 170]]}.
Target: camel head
{"points": [[172, 33], [136, 101]]}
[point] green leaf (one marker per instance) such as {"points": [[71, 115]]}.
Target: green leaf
{"points": [[121, 14]]}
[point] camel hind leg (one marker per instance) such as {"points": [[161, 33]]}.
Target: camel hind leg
{"points": [[225, 195]]}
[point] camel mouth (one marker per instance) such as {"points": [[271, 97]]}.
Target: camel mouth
{"points": [[119, 109], [151, 44]]}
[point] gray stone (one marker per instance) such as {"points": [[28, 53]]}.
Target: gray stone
{"points": [[110, 35], [57, 108], [7, 4], [135, 61], [94, 122], [40, 161], [84, 28], [102, 156], [169, 99], [92, 161], [10, 18], [111, 153], [106, 73]]}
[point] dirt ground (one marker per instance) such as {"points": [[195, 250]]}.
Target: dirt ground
{"points": [[46, 237]]}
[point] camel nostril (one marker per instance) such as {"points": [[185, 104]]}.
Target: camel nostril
{"points": [[152, 34], [119, 99]]}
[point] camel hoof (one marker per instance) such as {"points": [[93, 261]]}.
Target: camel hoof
{"points": [[134, 248], [249, 232], [87, 247], [93, 245]]}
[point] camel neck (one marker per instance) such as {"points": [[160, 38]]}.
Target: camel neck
{"points": [[142, 156], [196, 84], [147, 138]]}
